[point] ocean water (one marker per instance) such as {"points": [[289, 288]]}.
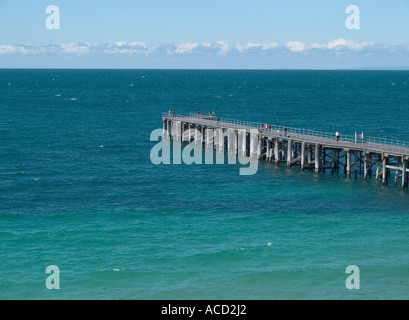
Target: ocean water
{"points": [[78, 189]]}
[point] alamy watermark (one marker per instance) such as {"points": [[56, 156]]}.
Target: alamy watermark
{"points": [[53, 20], [353, 20], [53, 280], [353, 281], [165, 152]]}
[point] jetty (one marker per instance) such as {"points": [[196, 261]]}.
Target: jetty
{"points": [[384, 159]]}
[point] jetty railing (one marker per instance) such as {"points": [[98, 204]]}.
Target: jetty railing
{"points": [[390, 145]]}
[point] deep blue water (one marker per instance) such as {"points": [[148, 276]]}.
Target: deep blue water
{"points": [[78, 189]]}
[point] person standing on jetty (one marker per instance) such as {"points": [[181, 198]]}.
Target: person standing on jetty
{"points": [[337, 136]]}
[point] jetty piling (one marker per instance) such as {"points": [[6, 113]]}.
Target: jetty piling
{"points": [[310, 150]]}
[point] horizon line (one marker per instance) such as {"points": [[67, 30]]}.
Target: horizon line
{"points": [[401, 68]]}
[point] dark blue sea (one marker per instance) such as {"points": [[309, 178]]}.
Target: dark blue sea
{"points": [[78, 189]]}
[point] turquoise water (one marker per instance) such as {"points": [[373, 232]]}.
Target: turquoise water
{"points": [[78, 189]]}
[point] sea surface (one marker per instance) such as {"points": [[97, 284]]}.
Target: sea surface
{"points": [[78, 189]]}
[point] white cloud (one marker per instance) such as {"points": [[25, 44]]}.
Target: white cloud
{"points": [[247, 46], [75, 48], [6, 49], [269, 46], [296, 46], [219, 48], [123, 47], [120, 43], [349, 44], [315, 45], [186, 47], [223, 48], [18, 49], [132, 44], [336, 44], [252, 45]]}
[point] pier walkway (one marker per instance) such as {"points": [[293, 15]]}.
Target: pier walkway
{"points": [[309, 149]]}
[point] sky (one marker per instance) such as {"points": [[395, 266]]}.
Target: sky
{"points": [[226, 34]]}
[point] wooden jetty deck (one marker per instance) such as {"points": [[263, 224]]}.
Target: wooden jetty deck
{"points": [[308, 149]]}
